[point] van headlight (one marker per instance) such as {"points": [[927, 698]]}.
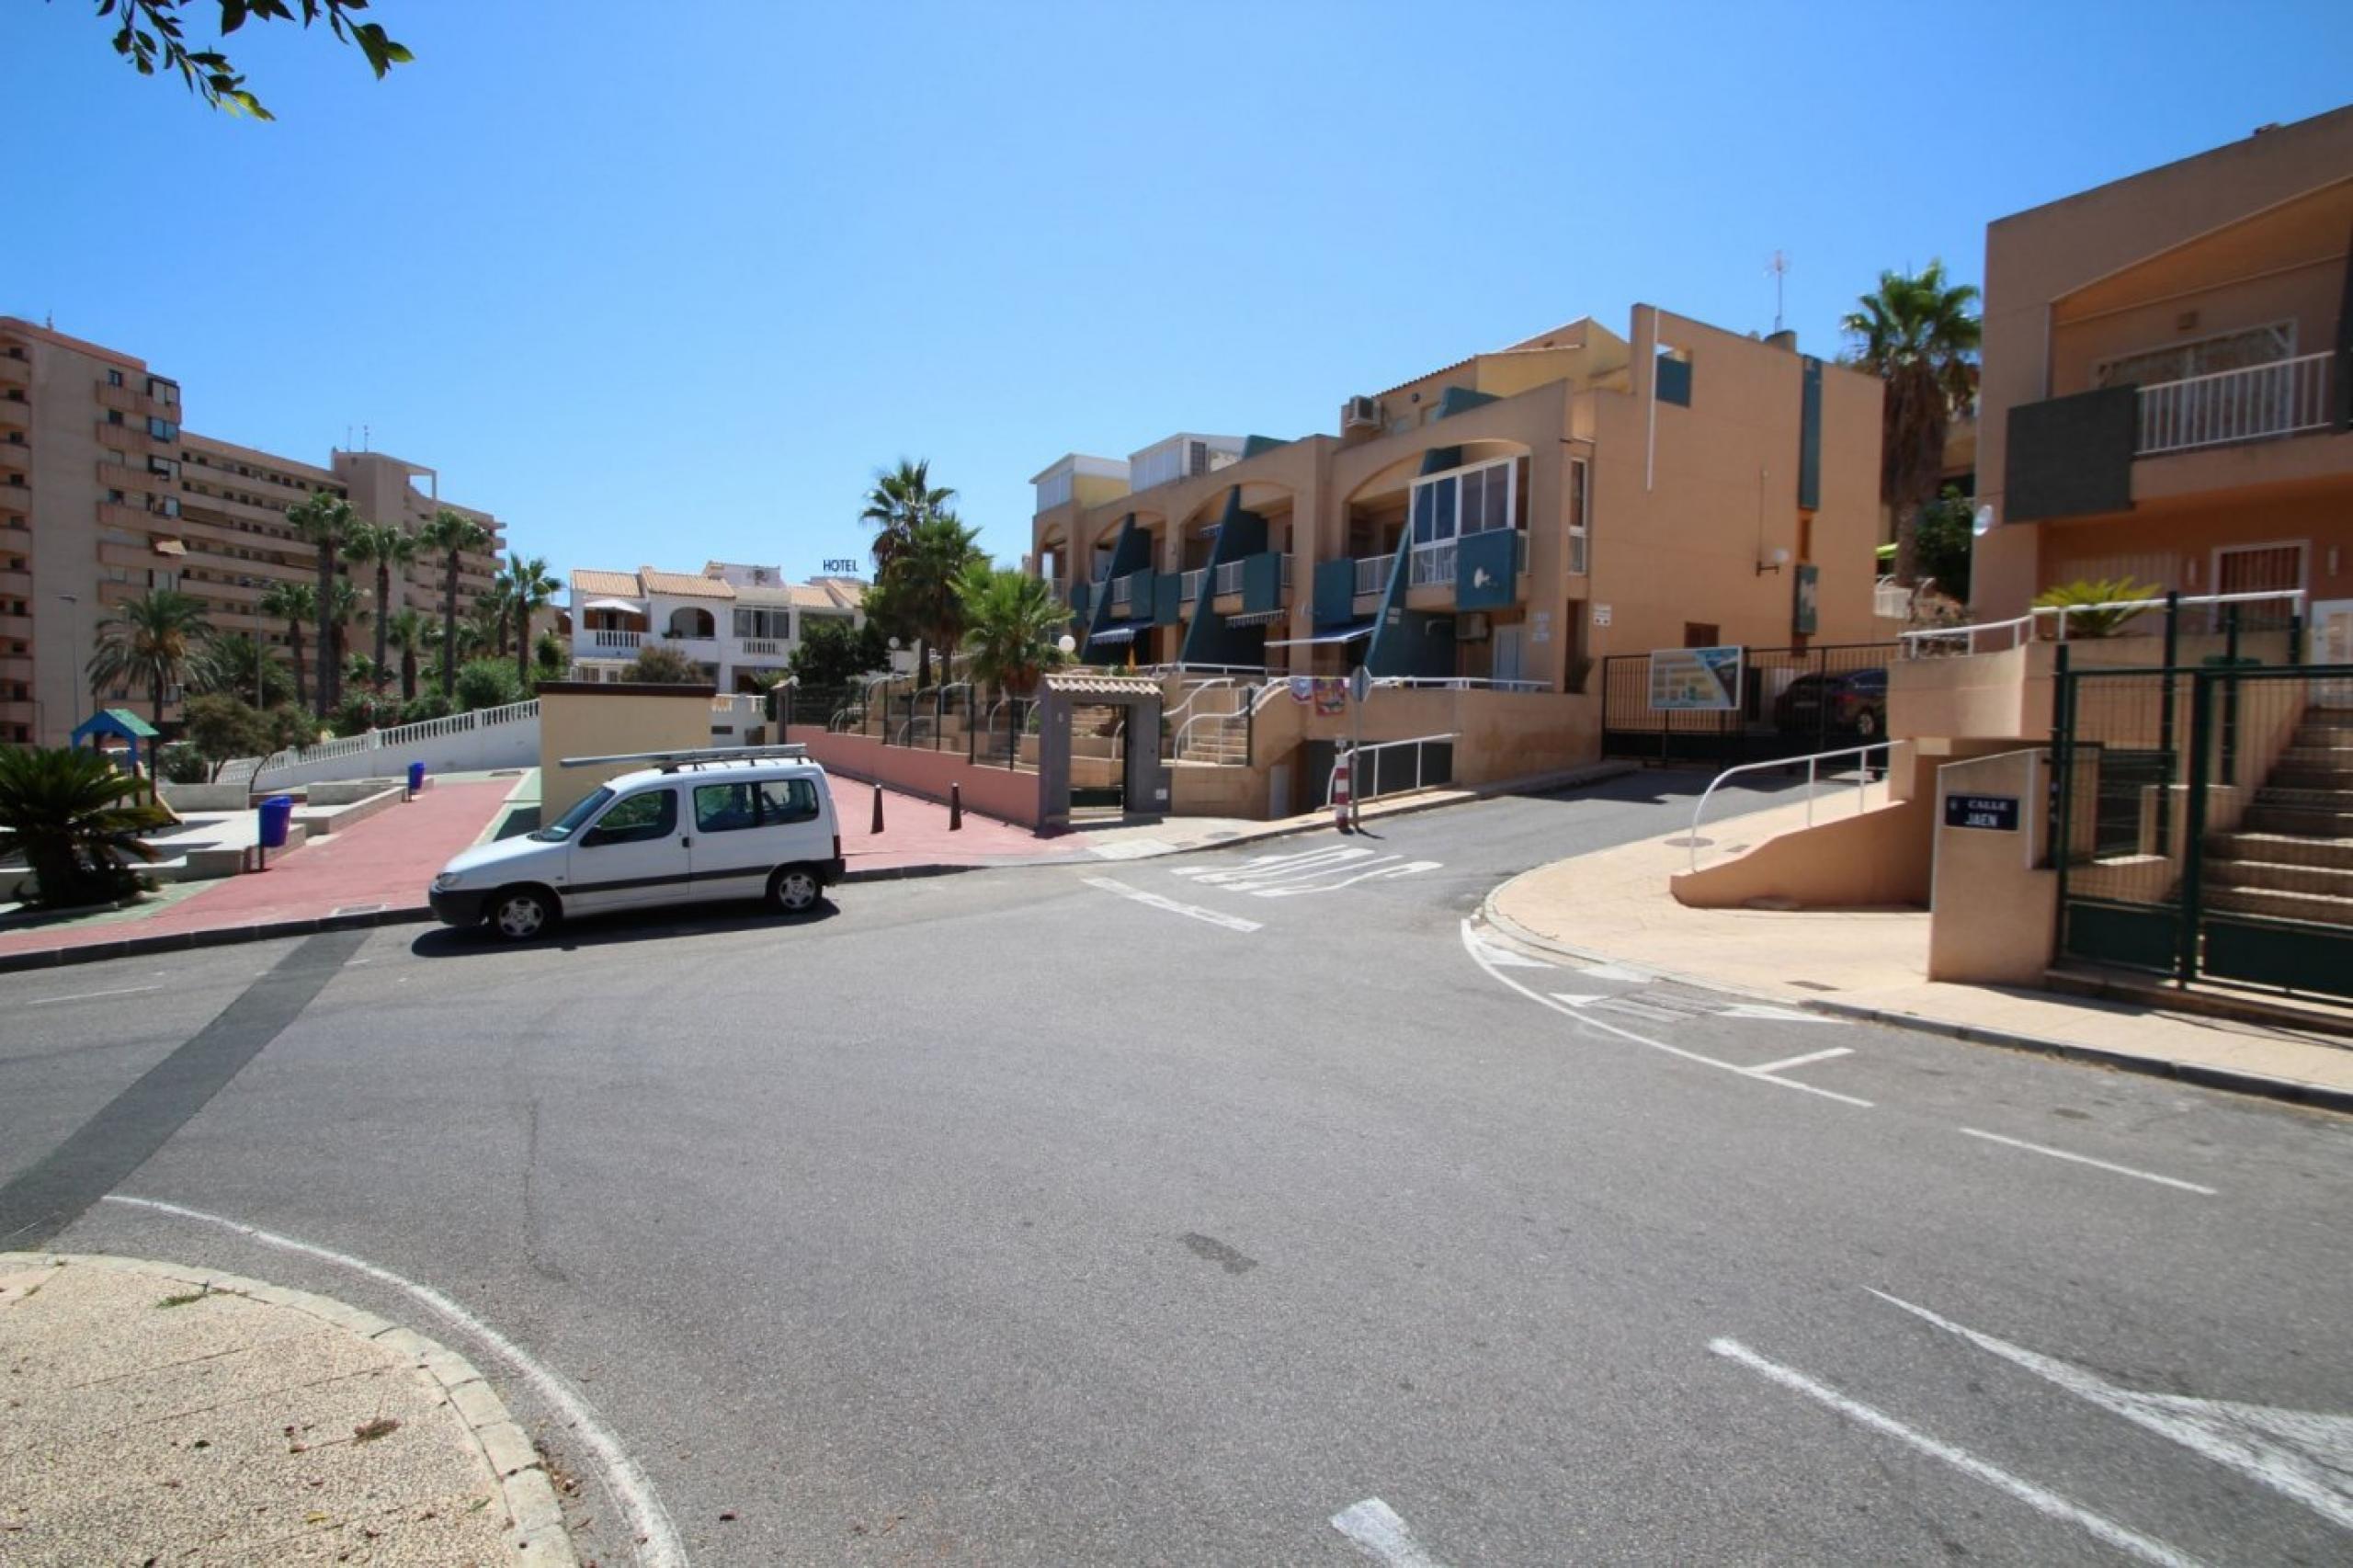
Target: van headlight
{"points": [[445, 881]]}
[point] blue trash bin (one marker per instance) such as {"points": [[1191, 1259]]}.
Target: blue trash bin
{"points": [[277, 810], [415, 777]]}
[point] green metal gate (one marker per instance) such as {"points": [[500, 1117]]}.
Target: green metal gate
{"points": [[2203, 823]]}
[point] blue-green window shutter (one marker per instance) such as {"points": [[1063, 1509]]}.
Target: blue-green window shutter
{"points": [[1674, 380], [1810, 437]]}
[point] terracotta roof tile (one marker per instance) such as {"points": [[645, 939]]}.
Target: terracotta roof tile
{"points": [[684, 585], [586, 580]]}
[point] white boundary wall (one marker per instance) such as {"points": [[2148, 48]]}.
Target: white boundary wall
{"points": [[463, 743]]}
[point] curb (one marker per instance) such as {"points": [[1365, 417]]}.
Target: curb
{"points": [[535, 1518], [214, 936], [2318, 1097]]}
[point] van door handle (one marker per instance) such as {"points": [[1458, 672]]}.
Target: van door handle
{"points": [[685, 841]]}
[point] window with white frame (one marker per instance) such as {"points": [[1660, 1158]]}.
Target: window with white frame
{"points": [[2180, 361], [1580, 514], [1468, 500]]}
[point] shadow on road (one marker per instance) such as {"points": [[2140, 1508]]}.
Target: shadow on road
{"points": [[622, 927]]}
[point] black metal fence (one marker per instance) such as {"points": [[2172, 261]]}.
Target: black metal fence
{"points": [[1794, 702], [2202, 819]]}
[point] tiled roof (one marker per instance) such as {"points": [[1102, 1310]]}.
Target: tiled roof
{"points": [[684, 585], [1101, 685], [847, 592], [809, 595], [623, 585]]}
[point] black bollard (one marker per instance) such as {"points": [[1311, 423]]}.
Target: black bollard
{"points": [[877, 808], [955, 806]]}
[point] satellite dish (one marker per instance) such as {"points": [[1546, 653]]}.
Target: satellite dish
{"points": [[1981, 523]]}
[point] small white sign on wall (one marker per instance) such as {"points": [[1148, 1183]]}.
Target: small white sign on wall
{"points": [[1539, 626], [1601, 615]]}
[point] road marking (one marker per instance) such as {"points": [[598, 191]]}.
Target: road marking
{"points": [[2302, 1454], [2041, 1500], [1636, 1008], [1789, 1061], [1231, 922], [1778, 1014], [1264, 866], [1374, 1526], [1579, 998], [1471, 945], [1409, 868], [1509, 959], [2087, 1160], [648, 1523], [91, 995]]}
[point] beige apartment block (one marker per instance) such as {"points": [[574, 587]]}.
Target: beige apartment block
{"points": [[2166, 387], [1503, 522], [104, 495]]}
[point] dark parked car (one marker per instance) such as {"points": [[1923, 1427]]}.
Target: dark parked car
{"points": [[1850, 702]]}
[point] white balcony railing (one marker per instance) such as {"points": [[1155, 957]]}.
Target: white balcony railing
{"points": [[768, 646], [1229, 578], [1432, 565], [1891, 600], [1189, 585], [600, 638], [1373, 573], [2277, 398]]}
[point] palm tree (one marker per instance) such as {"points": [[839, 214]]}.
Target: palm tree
{"points": [[235, 665], [1918, 333], [389, 546], [407, 635], [148, 640], [344, 606], [62, 807], [365, 672], [528, 589], [293, 603], [487, 620], [922, 581], [1012, 621], [326, 522], [451, 535], [899, 502]]}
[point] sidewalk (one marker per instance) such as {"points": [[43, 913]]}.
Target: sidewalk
{"points": [[1614, 905], [159, 1413], [372, 869]]}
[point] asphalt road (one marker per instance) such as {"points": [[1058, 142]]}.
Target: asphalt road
{"points": [[1176, 1210]]}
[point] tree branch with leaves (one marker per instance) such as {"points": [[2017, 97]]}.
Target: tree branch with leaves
{"points": [[149, 34]]}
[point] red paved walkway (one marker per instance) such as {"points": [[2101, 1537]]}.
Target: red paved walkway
{"points": [[914, 833], [388, 859]]}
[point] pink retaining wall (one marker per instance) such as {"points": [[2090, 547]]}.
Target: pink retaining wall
{"points": [[992, 792]]}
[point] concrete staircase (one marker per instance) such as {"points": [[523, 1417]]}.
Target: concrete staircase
{"points": [[2292, 855]]}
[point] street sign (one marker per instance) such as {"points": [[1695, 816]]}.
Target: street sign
{"points": [[1361, 684], [1996, 813], [1689, 678]]}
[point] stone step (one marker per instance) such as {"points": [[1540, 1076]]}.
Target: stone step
{"points": [[2282, 849], [2317, 757], [2330, 776], [2277, 876], [2320, 909], [2305, 797], [2298, 821]]}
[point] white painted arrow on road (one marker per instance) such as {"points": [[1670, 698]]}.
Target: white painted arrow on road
{"points": [[2300, 1454]]}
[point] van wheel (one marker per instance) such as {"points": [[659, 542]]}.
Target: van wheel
{"points": [[517, 915], [794, 889]]}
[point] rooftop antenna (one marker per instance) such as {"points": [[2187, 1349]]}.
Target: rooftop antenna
{"points": [[1779, 267], [363, 438]]}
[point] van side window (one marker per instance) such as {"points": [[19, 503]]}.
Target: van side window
{"points": [[788, 800], [638, 818], [724, 808]]}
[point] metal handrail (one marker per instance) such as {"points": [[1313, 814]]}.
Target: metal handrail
{"points": [[1460, 683], [1913, 639], [1239, 719], [1349, 754], [1785, 763]]}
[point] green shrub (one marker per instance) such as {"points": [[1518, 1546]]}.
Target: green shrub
{"points": [[488, 683], [2091, 622], [183, 765], [429, 705]]}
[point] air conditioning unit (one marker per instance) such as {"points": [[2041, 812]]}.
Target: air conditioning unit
{"points": [[1360, 414], [1471, 628]]}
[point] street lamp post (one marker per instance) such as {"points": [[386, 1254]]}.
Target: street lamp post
{"points": [[261, 689]]}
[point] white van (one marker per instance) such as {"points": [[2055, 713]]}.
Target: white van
{"points": [[740, 822]]}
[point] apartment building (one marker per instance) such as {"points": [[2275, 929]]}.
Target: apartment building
{"points": [[104, 494], [740, 622], [2165, 391], [1503, 521]]}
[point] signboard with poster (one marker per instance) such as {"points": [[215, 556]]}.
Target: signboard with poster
{"points": [[1686, 679]]}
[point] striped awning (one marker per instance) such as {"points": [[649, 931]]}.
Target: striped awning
{"points": [[1324, 639], [1256, 617], [1116, 634]]}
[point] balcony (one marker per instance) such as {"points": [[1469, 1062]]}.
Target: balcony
{"points": [[1228, 579], [601, 639], [1123, 599], [2284, 398], [1188, 584], [14, 372], [760, 647], [1373, 573], [16, 585], [15, 415], [1432, 565]]}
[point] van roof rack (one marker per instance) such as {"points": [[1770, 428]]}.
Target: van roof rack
{"points": [[671, 761]]}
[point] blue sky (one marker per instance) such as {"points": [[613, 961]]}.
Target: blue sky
{"points": [[671, 282]]}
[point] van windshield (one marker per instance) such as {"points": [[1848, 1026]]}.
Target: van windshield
{"points": [[564, 826]]}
